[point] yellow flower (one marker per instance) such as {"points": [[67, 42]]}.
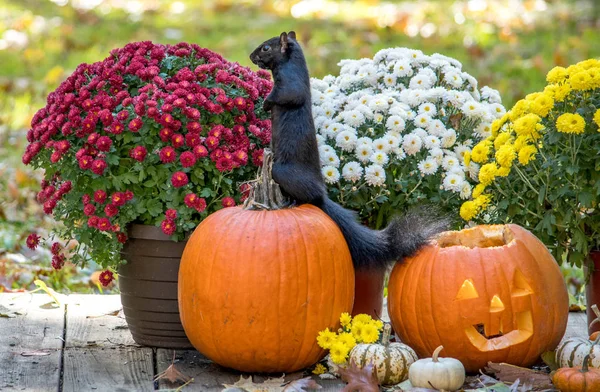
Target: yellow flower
{"points": [[526, 125], [589, 64], [357, 330], [487, 173], [369, 333], [497, 124], [570, 123], [556, 75], [478, 190], [482, 201], [345, 319], [532, 96], [581, 81], [378, 324], [467, 157], [573, 69], [542, 105], [468, 210], [503, 171], [339, 352], [348, 339], [520, 109], [319, 369], [362, 318], [527, 154], [561, 92], [597, 119], [522, 141], [501, 139], [481, 151], [505, 155], [326, 338]]}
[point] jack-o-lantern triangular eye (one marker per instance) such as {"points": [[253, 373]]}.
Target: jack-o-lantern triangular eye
{"points": [[467, 291], [520, 285]]}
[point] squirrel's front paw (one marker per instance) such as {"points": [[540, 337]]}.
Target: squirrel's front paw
{"points": [[267, 106]]}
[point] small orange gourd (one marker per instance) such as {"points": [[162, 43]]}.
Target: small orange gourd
{"points": [[256, 286], [579, 379]]}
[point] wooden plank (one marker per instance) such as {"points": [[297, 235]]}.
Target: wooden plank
{"points": [[208, 376], [576, 326], [108, 369], [96, 320], [30, 342]]}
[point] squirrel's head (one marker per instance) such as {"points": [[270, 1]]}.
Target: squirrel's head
{"points": [[274, 51]]}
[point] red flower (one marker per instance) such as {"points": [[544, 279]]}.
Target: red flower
{"points": [[117, 128], [224, 164], [228, 202], [168, 226], [177, 140], [188, 159], [128, 195], [211, 142], [166, 119], [122, 237], [167, 154], [92, 221], [85, 162], [118, 199], [104, 143], [32, 241], [58, 261], [171, 214], [55, 157], [106, 277], [100, 196], [111, 210], [192, 140], [190, 200], [89, 209], [165, 134], [138, 153], [98, 166], [257, 157], [49, 206], [103, 224], [194, 127], [136, 124], [179, 179], [62, 146], [93, 138], [55, 249], [240, 157], [200, 151], [86, 199], [201, 204]]}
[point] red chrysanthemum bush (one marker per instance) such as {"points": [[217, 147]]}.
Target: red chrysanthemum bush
{"points": [[154, 134]]}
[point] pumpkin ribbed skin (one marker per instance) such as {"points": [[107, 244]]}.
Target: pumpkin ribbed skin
{"points": [[489, 293], [391, 362], [256, 287], [571, 353], [575, 380]]}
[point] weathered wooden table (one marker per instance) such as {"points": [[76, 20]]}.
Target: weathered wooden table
{"points": [[84, 345]]}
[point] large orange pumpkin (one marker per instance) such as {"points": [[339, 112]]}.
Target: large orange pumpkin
{"points": [[489, 293], [256, 287]]}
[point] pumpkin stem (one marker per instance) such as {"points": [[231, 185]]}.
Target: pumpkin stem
{"points": [[597, 313], [387, 330], [586, 361], [265, 193], [434, 357]]}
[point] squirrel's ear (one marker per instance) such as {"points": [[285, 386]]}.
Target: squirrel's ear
{"points": [[292, 34], [283, 40]]}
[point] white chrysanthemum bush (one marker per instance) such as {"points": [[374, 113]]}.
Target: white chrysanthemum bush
{"points": [[395, 130]]}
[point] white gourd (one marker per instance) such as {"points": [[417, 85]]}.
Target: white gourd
{"points": [[571, 352], [446, 374], [391, 361]]}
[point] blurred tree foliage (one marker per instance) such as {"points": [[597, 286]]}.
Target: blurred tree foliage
{"points": [[506, 44]]}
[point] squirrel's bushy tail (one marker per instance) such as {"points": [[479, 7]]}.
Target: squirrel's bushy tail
{"points": [[378, 249]]}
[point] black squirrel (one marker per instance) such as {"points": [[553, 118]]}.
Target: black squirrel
{"points": [[297, 169]]}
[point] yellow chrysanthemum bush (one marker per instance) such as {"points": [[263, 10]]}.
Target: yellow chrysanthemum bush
{"points": [[540, 168], [354, 330]]}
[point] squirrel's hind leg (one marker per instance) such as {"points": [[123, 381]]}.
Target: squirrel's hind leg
{"points": [[300, 185]]}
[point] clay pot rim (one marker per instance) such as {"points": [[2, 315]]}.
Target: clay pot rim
{"points": [[149, 232]]}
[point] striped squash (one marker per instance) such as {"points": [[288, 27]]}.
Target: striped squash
{"points": [[390, 360], [571, 352]]}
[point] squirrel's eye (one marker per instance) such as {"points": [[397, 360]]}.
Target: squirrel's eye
{"points": [[266, 48]]}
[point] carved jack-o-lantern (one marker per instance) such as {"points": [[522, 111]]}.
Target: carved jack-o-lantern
{"points": [[489, 293]]}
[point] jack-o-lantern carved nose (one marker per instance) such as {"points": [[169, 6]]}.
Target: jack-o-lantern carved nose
{"points": [[496, 304]]}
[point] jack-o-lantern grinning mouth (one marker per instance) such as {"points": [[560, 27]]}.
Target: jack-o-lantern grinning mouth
{"points": [[524, 331], [481, 329]]}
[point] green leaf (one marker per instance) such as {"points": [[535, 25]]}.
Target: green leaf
{"points": [[586, 199], [549, 358], [154, 207]]}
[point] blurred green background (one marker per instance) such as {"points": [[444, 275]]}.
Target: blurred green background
{"points": [[506, 44]]}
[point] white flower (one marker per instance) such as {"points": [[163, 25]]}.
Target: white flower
{"points": [[422, 120], [395, 123], [363, 152], [420, 132], [428, 166], [389, 80], [330, 174], [319, 121], [403, 69], [375, 175], [330, 159], [346, 140], [431, 142], [325, 149], [400, 153], [320, 140], [483, 130], [437, 154], [352, 171], [378, 103], [412, 144], [381, 144], [453, 182], [379, 157], [448, 138], [436, 128], [496, 110], [378, 118], [334, 129], [453, 78], [318, 84], [491, 95], [365, 140], [328, 110], [427, 108], [473, 170], [449, 162], [420, 81], [473, 109], [392, 140], [354, 118], [465, 190]]}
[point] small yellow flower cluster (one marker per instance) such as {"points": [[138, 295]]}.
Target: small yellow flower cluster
{"points": [[516, 136], [360, 329]]}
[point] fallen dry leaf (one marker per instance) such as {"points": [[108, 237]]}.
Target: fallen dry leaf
{"points": [[301, 385], [359, 379], [246, 384], [511, 373], [172, 374], [455, 120], [34, 353], [113, 313]]}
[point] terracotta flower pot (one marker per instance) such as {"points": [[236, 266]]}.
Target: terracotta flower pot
{"points": [[592, 287], [368, 293], [148, 284]]}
